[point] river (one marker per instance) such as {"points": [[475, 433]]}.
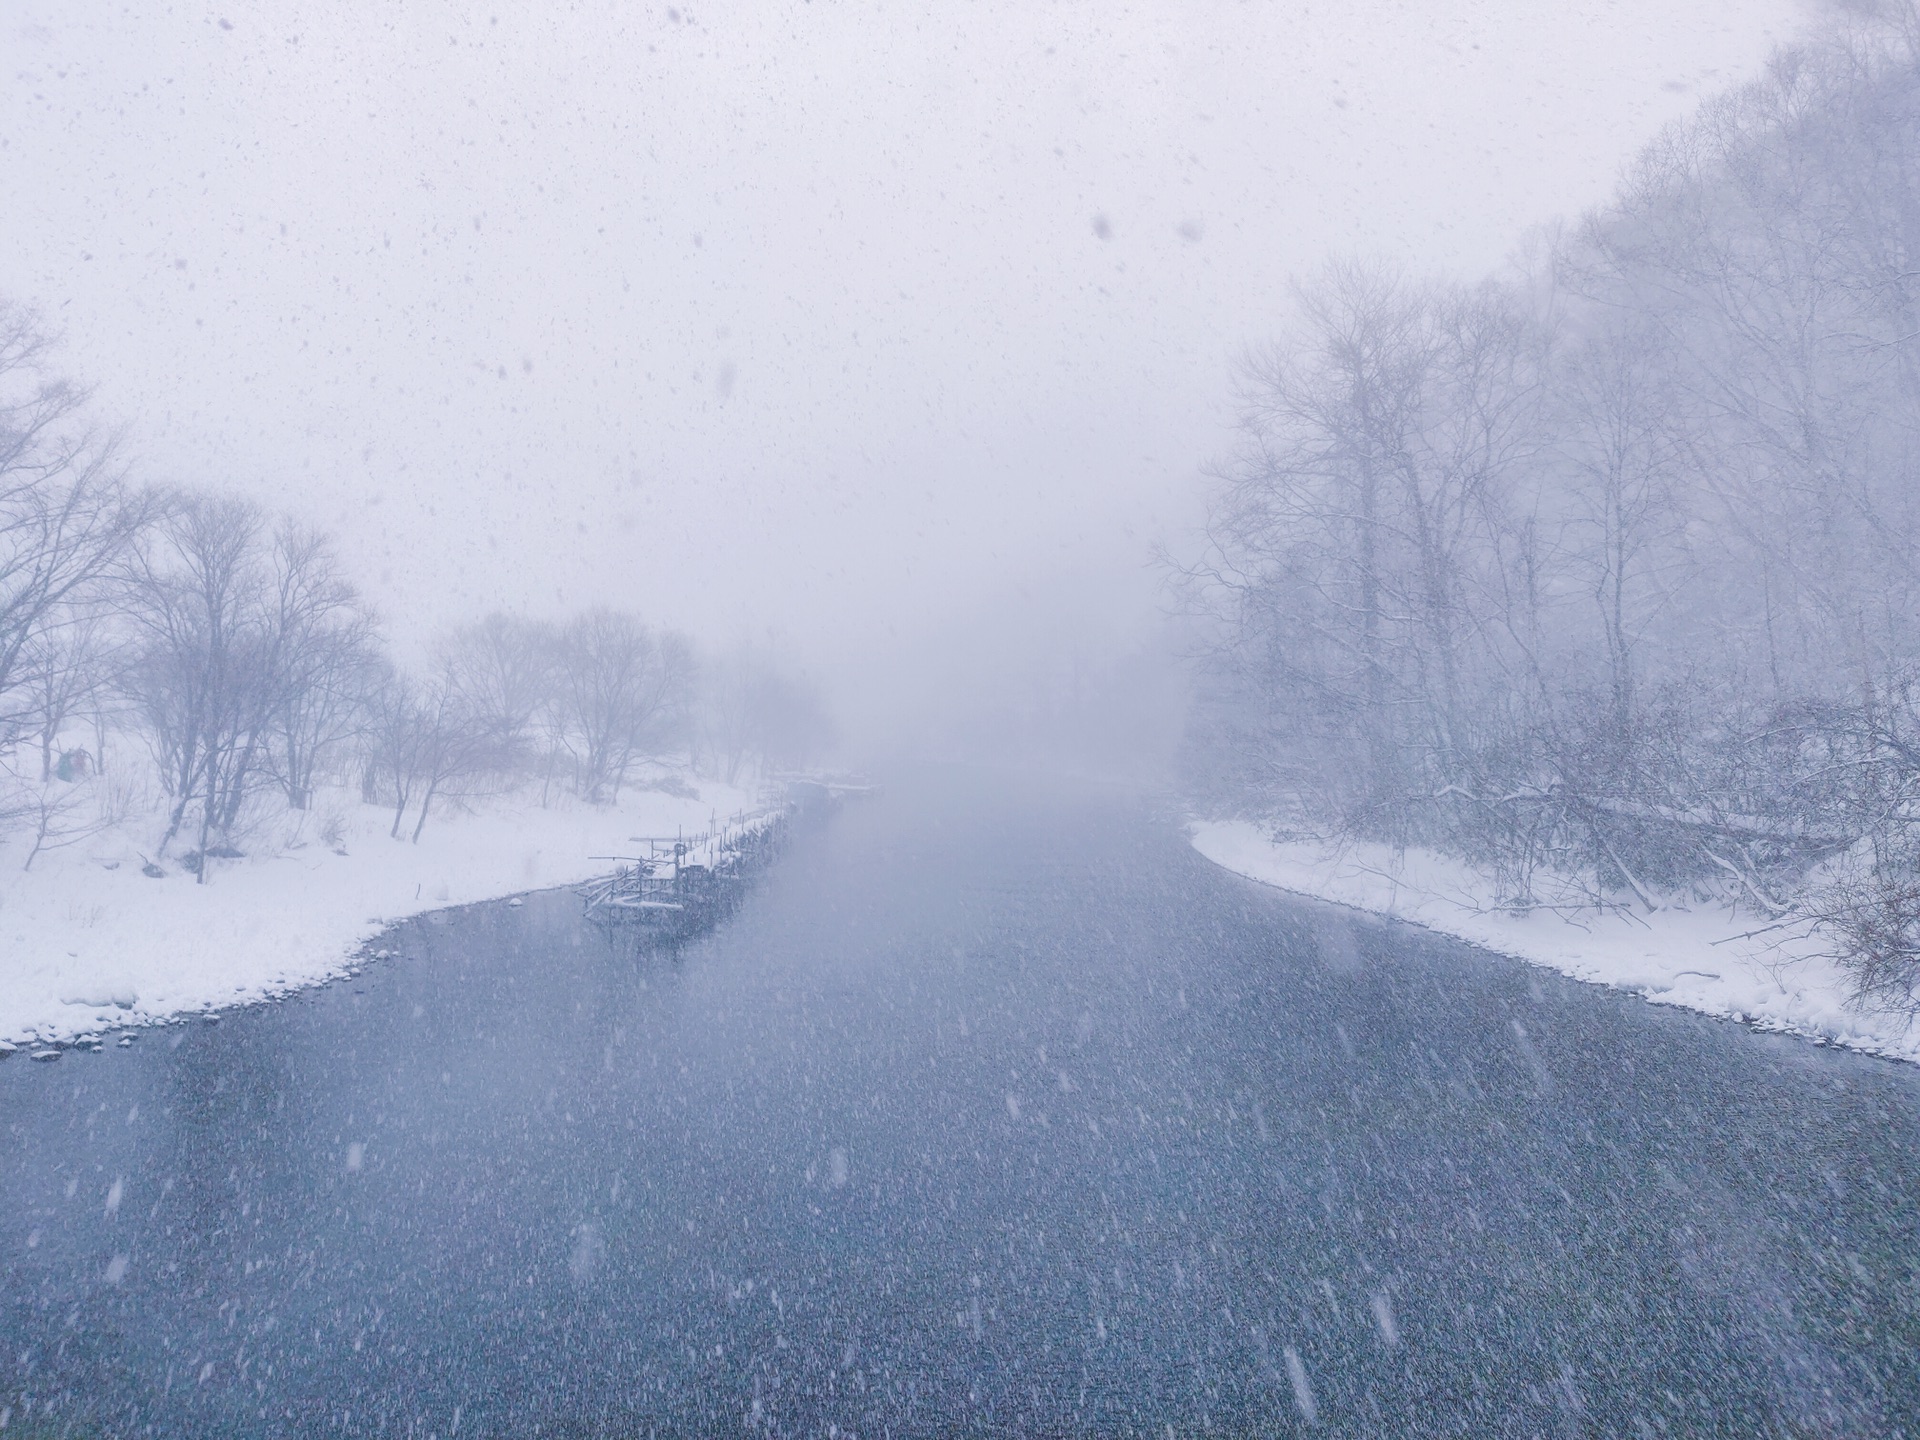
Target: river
{"points": [[994, 1110]]}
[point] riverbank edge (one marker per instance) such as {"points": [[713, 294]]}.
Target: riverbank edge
{"points": [[99, 948], [1706, 960]]}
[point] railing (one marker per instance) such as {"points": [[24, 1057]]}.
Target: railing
{"points": [[686, 877]]}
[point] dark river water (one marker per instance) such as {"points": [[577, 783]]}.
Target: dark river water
{"points": [[995, 1110]]}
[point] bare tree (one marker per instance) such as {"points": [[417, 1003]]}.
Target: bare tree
{"points": [[65, 515], [395, 746], [66, 672], [324, 652], [429, 742], [59, 813], [196, 591], [1618, 433], [1363, 544], [503, 668], [237, 627], [621, 691]]}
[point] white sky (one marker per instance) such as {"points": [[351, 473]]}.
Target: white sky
{"points": [[788, 314]]}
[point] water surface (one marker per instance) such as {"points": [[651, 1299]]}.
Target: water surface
{"points": [[994, 1111]]}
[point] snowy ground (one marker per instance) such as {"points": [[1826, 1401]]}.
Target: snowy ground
{"points": [[1703, 959], [89, 941]]}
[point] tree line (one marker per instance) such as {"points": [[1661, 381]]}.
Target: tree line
{"points": [[233, 647], [1608, 567]]}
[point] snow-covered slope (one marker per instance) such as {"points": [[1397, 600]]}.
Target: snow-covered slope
{"points": [[1703, 959], [89, 940]]}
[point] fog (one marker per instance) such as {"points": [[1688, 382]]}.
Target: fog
{"points": [[882, 329]]}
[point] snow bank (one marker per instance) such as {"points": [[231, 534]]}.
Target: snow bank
{"points": [[1703, 959], [90, 941]]}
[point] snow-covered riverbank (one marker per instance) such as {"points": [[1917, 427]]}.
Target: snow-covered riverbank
{"points": [[91, 941], [1702, 959]]}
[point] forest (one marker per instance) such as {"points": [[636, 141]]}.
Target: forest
{"points": [[1601, 574], [186, 653]]}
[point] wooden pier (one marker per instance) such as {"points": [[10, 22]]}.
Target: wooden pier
{"points": [[680, 884]]}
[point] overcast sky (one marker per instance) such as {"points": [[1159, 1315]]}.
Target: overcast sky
{"points": [[852, 319]]}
